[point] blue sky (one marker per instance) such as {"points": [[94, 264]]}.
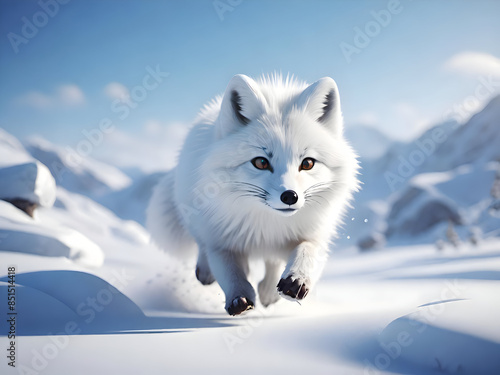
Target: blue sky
{"points": [[428, 58]]}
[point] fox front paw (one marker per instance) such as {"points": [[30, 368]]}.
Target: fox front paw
{"points": [[295, 289], [239, 305]]}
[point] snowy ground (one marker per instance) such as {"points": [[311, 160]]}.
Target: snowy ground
{"points": [[413, 310]]}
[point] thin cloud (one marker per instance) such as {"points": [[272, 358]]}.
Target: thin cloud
{"points": [[35, 99], [63, 96], [116, 90], [473, 63], [366, 118], [70, 95]]}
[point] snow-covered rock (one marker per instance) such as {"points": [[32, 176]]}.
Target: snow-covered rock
{"points": [[461, 197], [375, 240], [31, 181], [22, 178], [418, 210]]}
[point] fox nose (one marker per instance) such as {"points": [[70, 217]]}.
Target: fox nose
{"points": [[289, 197]]}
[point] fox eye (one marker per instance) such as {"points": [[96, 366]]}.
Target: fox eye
{"points": [[307, 164], [261, 163]]}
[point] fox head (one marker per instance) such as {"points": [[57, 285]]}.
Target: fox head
{"points": [[280, 145]]}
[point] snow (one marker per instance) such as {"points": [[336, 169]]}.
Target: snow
{"points": [[75, 171], [20, 233], [61, 297], [30, 181], [460, 345], [23, 177], [11, 150], [461, 196], [445, 174], [95, 296]]}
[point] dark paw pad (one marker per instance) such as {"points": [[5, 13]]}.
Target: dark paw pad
{"points": [[239, 305], [206, 278], [295, 289]]}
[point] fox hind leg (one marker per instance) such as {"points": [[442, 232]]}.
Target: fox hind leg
{"points": [[268, 293], [203, 272]]}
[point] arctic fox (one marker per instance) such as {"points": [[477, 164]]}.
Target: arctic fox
{"points": [[265, 172]]}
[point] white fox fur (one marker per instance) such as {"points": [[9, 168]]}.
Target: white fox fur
{"points": [[218, 201]]}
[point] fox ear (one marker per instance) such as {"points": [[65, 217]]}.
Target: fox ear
{"points": [[242, 102], [321, 100]]}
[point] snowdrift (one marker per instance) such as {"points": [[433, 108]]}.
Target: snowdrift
{"points": [[454, 337], [22, 234]]}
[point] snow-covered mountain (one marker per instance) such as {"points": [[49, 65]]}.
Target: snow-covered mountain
{"points": [[400, 162], [368, 142], [476, 142], [440, 180], [76, 173], [441, 148]]}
